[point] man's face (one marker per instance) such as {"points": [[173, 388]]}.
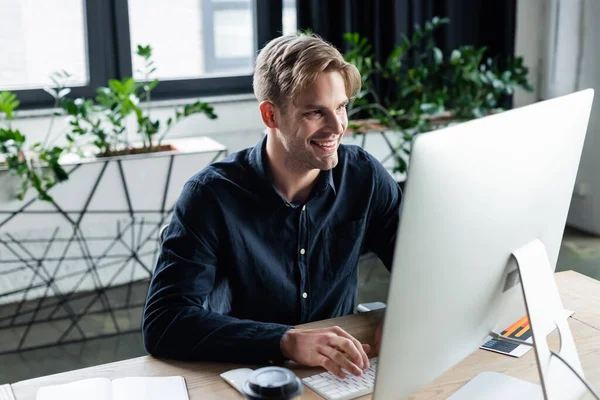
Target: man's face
{"points": [[313, 124]]}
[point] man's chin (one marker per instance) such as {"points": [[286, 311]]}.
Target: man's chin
{"points": [[327, 163]]}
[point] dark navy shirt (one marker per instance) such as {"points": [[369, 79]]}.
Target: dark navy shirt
{"points": [[239, 265]]}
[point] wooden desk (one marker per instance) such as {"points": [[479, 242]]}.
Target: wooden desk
{"points": [[578, 292]]}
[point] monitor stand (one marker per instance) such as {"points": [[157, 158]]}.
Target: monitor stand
{"points": [[545, 311]]}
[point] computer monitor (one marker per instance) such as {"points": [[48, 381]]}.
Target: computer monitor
{"points": [[475, 193]]}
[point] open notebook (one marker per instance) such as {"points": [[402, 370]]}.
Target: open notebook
{"points": [[155, 388]]}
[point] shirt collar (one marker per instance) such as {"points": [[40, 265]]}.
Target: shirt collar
{"points": [[258, 162], [327, 178]]}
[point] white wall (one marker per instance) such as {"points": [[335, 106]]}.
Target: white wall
{"points": [[559, 40], [585, 30]]}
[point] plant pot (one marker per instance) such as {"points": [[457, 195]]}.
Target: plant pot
{"points": [[139, 150]]}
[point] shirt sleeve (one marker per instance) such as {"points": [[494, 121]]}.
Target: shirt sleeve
{"points": [[384, 215], [175, 322]]}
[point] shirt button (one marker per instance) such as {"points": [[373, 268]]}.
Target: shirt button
{"points": [[302, 251], [303, 208], [304, 295]]}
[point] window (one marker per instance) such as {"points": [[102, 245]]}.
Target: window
{"points": [[289, 17], [30, 55], [200, 47], [230, 36], [216, 37]]}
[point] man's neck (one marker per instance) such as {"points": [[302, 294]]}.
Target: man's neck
{"points": [[291, 181]]}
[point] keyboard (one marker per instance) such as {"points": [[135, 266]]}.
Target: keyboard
{"points": [[331, 387]]}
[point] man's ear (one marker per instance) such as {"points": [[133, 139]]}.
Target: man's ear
{"points": [[267, 112]]}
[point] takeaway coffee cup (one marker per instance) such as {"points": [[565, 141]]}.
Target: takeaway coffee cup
{"points": [[272, 383]]}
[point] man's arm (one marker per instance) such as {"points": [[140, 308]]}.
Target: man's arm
{"points": [[384, 215], [383, 224], [175, 323]]}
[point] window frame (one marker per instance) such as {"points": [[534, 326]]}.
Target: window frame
{"points": [[109, 55]]}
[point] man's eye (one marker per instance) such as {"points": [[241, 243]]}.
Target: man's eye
{"points": [[314, 113]]}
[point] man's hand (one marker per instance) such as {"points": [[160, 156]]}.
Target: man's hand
{"points": [[378, 333], [331, 348]]}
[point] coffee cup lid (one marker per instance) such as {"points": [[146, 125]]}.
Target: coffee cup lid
{"points": [[272, 383]]}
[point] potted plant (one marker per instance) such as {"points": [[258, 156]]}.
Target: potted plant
{"points": [[25, 162], [97, 128], [425, 89], [101, 194]]}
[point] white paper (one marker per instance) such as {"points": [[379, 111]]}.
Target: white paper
{"points": [[136, 388], [89, 389], [155, 388]]}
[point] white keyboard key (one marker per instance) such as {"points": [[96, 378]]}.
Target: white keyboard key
{"points": [[331, 387], [321, 385]]}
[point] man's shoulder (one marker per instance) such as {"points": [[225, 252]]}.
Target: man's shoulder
{"points": [[359, 167], [355, 157], [232, 169]]}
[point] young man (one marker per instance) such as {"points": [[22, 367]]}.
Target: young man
{"points": [[271, 237]]}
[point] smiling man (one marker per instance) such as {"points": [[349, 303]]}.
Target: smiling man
{"points": [[271, 237]]}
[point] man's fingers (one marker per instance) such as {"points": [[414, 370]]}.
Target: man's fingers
{"points": [[341, 360], [332, 367], [349, 349], [357, 344]]}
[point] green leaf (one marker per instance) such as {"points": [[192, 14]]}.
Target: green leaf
{"points": [[18, 137], [51, 92], [455, 57], [69, 106], [199, 107], [116, 86], [144, 51], [64, 92], [12, 136], [401, 165], [428, 108], [438, 56], [498, 84], [129, 85], [153, 84], [477, 112], [59, 172], [8, 103]]}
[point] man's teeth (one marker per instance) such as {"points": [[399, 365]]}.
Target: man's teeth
{"points": [[325, 144]]}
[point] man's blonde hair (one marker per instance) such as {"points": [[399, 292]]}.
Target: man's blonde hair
{"points": [[289, 64]]}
